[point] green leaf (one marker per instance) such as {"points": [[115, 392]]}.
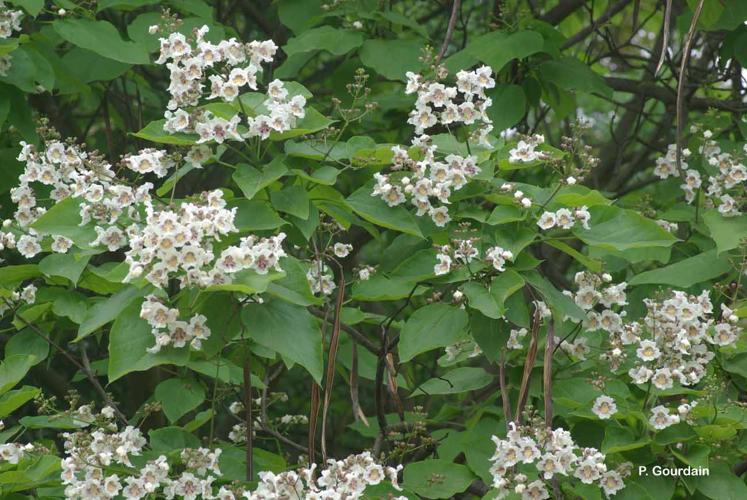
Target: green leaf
{"points": [[8, 45], [12, 370], [573, 75], [255, 215], [12, 276], [91, 67], [497, 49], [167, 439], [293, 200], [509, 105], [269, 324], [619, 439], [479, 298], [29, 343], [437, 478], [252, 180], [11, 401], [727, 232], [721, 484], [179, 396], [124, 5], [504, 285], [129, 339], [554, 298], [154, 132], [58, 421], [33, 7], [101, 37], [374, 210], [618, 229], [459, 380], [431, 327], [196, 7], [586, 261], [646, 487], [503, 214], [381, 288], [108, 310], [490, 334], [64, 219], [392, 58], [68, 265], [687, 272], [326, 175], [312, 122], [333, 40], [294, 287]]}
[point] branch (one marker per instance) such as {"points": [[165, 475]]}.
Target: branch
{"points": [[449, 30], [668, 96], [561, 11], [83, 366], [606, 16], [683, 78], [358, 336]]}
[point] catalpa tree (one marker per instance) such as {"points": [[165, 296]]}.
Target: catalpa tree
{"points": [[340, 249]]}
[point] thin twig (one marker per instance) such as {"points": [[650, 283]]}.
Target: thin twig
{"points": [[504, 390], [664, 36], [83, 366], [248, 415], [449, 29], [547, 374], [528, 366], [683, 77], [334, 342]]}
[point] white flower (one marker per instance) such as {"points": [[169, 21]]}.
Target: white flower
{"points": [[648, 351], [444, 264], [564, 218], [661, 419], [440, 216], [604, 407], [28, 245], [547, 221], [662, 378], [342, 250], [611, 482]]}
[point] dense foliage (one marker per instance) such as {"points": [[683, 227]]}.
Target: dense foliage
{"points": [[284, 249]]}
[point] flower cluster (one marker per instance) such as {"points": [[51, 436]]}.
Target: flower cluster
{"points": [[181, 243], [671, 342], [14, 452], [466, 347], [464, 103], [526, 151], [26, 295], [149, 160], [601, 300], [90, 451], [527, 451], [69, 171], [426, 178], [169, 330], [10, 21], [228, 66], [431, 180], [347, 478], [519, 197], [463, 252], [320, 278], [727, 174], [565, 218]]}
